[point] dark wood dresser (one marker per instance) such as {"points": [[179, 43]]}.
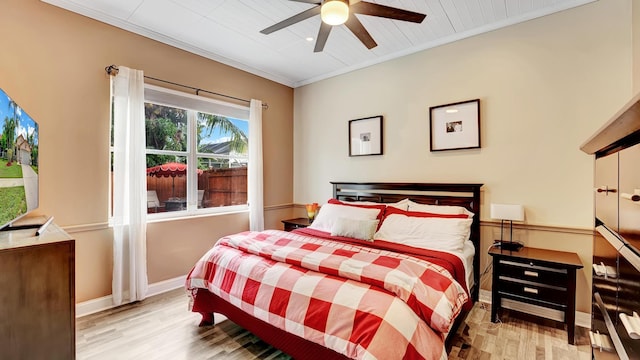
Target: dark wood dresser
{"points": [[616, 241], [540, 277], [37, 296]]}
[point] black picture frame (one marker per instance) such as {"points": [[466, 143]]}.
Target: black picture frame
{"points": [[455, 126], [365, 136]]}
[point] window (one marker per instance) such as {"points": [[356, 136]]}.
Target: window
{"points": [[196, 154]]}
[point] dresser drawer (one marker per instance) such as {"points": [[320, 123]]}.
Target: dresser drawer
{"points": [[532, 271], [533, 291]]}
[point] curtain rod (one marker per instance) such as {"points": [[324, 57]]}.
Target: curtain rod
{"points": [[112, 70]]}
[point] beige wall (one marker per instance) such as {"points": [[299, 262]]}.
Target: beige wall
{"points": [[53, 67], [545, 86]]}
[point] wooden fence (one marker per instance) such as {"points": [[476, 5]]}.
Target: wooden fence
{"points": [[221, 187]]}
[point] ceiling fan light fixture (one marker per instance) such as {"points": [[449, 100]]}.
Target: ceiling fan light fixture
{"points": [[334, 12]]}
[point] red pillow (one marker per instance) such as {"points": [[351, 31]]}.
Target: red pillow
{"points": [[392, 210], [380, 207]]}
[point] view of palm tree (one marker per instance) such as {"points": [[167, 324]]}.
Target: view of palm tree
{"points": [[166, 129], [238, 140]]}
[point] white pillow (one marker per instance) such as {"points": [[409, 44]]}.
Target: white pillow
{"points": [[330, 213], [402, 204], [435, 233], [438, 209], [357, 229]]}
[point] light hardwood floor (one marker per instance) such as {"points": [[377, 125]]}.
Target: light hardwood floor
{"points": [[161, 327], [518, 336]]}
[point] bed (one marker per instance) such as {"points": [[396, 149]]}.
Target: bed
{"points": [[331, 292]]}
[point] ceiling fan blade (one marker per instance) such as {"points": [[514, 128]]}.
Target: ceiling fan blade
{"points": [[292, 20], [360, 32], [367, 8], [323, 35]]}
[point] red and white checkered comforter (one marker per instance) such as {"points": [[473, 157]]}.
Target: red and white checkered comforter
{"points": [[363, 302]]}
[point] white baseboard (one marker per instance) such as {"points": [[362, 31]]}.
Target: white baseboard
{"points": [[485, 296], [93, 306], [166, 285], [582, 319], [106, 302]]}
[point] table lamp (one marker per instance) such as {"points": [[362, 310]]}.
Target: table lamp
{"points": [[510, 213]]}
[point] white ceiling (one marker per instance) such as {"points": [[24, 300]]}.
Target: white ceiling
{"points": [[228, 31]]}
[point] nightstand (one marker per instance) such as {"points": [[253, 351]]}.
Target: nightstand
{"points": [[297, 223], [546, 278]]}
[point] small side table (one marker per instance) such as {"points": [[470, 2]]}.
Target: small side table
{"points": [[297, 223], [540, 277]]}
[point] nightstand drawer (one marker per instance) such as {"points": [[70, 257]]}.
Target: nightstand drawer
{"points": [[297, 223], [532, 271], [533, 291], [289, 227]]}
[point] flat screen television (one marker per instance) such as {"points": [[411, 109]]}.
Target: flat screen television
{"points": [[19, 191]]}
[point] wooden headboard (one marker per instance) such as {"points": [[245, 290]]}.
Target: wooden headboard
{"points": [[466, 195]]}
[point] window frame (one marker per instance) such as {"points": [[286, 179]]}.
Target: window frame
{"points": [[193, 104]]}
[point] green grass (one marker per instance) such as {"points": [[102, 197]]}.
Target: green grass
{"points": [[14, 203], [13, 171]]}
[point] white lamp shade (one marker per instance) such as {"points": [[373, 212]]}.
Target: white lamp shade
{"points": [[507, 212], [334, 12]]}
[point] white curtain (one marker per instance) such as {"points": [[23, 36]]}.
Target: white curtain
{"points": [[255, 180], [129, 188]]}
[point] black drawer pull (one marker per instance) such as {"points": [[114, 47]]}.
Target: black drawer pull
{"points": [[606, 190]]}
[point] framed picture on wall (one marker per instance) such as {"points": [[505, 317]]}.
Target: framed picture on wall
{"points": [[365, 136], [455, 126]]}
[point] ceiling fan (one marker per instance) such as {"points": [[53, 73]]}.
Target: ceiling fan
{"points": [[337, 12]]}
